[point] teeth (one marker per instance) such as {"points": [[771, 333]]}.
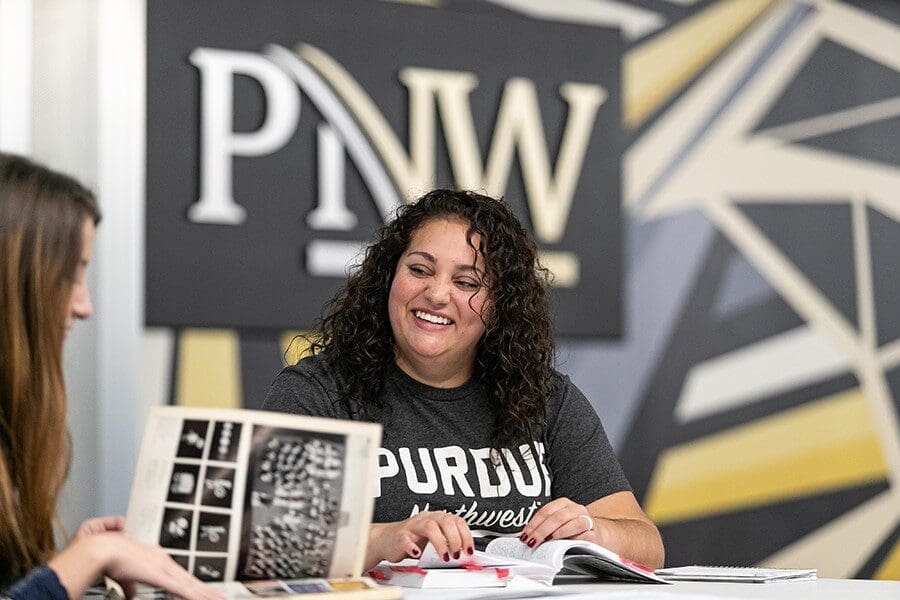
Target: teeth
{"points": [[432, 318]]}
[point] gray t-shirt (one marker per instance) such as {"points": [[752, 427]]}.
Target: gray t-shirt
{"points": [[435, 452]]}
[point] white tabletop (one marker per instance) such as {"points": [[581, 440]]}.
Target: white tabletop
{"points": [[821, 589]]}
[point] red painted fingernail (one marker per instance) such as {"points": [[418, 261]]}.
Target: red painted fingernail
{"points": [[532, 542], [456, 555], [446, 557], [470, 550], [522, 536], [549, 537], [414, 551]]}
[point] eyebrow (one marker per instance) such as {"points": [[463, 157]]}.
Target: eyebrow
{"points": [[423, 254], [459, 267]]}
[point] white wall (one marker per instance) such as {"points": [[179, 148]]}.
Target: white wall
{"points": [[87, 120], [64, 136]]}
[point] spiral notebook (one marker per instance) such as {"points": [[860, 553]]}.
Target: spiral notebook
{"points": [[735, 574]]}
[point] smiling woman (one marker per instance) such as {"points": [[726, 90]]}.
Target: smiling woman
{"points": [[443, 335]]}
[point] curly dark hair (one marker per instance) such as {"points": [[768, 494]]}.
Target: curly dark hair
{"points": [[515, 355]]}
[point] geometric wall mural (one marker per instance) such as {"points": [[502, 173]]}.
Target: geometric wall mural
{"points": [[753, 398], [768, 431]]}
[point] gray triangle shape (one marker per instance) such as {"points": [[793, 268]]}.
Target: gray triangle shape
{"points": [[818, 239], [875, 141], [884, 236], [835, 78]]}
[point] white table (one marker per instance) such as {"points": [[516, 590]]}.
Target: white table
{"points": [[821, 589]]}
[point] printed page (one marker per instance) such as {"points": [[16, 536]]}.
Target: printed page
{"points": [[576, 555], [536, 571], [239, 494], [549, 553], [431, 560]]}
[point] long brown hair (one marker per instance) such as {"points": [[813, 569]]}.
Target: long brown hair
{"points": [[42, 215]]}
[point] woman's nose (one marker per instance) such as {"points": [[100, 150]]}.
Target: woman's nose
{"points": [[438, 292], [82, 307]]}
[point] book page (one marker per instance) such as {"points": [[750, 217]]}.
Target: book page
{"points": [[431, 560], [549, 553], [536, 571], [575, 555], [240, 494]]}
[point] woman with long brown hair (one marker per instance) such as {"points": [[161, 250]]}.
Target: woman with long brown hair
{"points": [[443, 335], [47, 223]]}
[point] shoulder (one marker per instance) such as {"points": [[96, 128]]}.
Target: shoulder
{"points": [[567, 402], [562, 390], [321, 368], [313, 386]]}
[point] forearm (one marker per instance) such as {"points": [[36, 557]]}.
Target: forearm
{"points": [[79, 566], [635, 539]]}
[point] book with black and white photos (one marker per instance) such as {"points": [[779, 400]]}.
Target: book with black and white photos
{"points": [[507, 557], [254, 495], [735, 574]]}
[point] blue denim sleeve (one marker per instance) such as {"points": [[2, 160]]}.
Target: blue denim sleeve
{"points": [[41, 583]]}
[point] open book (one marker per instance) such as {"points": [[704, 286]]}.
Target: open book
{"points": [[251, 495], [507, 557]]}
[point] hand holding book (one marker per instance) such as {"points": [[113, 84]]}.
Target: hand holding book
{"points": [[505, 558], [448, 535], [615, 522]]}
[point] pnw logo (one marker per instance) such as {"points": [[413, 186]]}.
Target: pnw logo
{"points": [[353, 127]]}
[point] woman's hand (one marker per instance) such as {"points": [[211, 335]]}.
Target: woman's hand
{"points": [[128, 562], [615, 521], [449, 534], [99, 525], [562, 519]]}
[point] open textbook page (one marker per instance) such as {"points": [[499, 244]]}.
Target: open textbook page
{"points": [[506, 558], [249, 495], [577, 556]]}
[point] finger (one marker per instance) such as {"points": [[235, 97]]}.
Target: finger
{"points": [[129, 589], [450, 526], [88, 527], [100, 525], [438, 539], [548, 519], [407, 546], [111, 523], [465, 536], [196, 590], [395, 541], [541, 515], [564, 523], [181, 583], [201, 591], [580, 526]]}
